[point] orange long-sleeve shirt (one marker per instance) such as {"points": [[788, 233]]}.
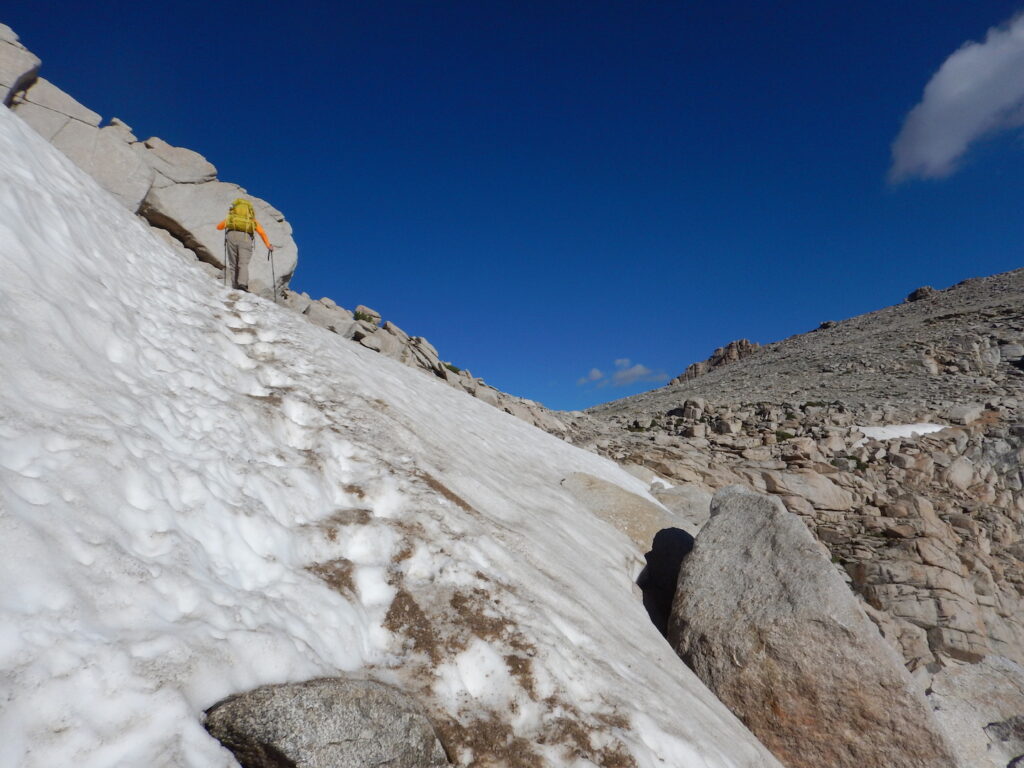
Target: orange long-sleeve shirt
{"points": [[259, 231]]}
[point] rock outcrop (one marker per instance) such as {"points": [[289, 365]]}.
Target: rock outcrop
{"points": [[766, 622], [730, 353], [328, 723], [365, 327], [174, 189], [920, 294]]}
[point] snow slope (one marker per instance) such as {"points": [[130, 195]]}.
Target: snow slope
{"points": [[201, 493]]}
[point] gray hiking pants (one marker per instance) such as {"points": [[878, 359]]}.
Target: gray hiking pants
{"points": [[238, 253]]}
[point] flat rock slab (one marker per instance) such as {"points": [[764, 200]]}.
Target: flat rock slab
{"points": [[328, 723], [765, 620], [635, 516]]}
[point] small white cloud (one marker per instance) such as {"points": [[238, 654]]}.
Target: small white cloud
{"points": [[625, 373], [594, 375], [635, 373], [977, 92]]}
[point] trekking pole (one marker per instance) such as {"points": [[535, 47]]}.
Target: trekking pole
{"points": [[273, 277], [227, 282]]}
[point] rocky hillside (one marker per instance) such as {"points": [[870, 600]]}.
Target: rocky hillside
{"points": [[896, 437], [913, 361]]}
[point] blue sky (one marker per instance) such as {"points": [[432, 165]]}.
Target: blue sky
{"points": [[548, 189]]}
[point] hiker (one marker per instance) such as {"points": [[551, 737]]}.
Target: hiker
{"points": [[241, 224]]}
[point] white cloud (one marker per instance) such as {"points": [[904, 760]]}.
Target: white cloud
{"points": [[625, 373], [635, 373], [977, 92], [594, 375]]}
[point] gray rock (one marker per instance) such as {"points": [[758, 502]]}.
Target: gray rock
{"points": [[965, 414], [818, 489], [385, 343], [1011, 352], [107, 154], [172, 187], [114, 162], [425, 354], [48, 109], [765, 620], [329, 723], [298, 302], [397, 332], [177, 165], [18, 66], [332, 317]]}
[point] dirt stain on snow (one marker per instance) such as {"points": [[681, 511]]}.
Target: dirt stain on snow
{"points": [[405, 617], [337, 574], [444, 490]]}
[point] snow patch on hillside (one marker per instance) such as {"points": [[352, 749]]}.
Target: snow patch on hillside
{"points": [[893, 431], [201, 493]]}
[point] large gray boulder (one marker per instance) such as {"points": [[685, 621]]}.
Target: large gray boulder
{"points": [[48, 109], [765, 620], [191, 213], [329, 723], [177, 165], [18, 66], [112, 157], [110, 154], [329, 315]]}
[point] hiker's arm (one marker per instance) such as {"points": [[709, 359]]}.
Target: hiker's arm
{"points": [[222, 224], [259, 230]]}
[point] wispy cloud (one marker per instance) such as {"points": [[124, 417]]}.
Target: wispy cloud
{"points": [[630, 374], [625, 373], [977, 92]]}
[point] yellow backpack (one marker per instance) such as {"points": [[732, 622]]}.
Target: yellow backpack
{"points": [[241, 216]]}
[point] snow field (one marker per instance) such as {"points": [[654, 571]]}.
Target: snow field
{"points": [[201, 493]]}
